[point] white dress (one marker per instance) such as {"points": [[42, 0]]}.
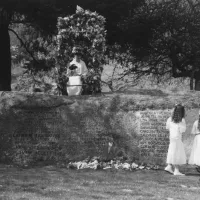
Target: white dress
{"points": [[176, 153], [74, 85], [195, 153]]}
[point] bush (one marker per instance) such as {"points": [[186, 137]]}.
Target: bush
{"points": [[84, 29]]}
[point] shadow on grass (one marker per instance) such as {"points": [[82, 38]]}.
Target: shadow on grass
{"points": [[149, 92], [193, 174]]}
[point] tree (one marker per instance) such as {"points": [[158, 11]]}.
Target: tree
{"points": [[168, 38], [42, 14], [114, 12], [5, 69], [12, 11]]}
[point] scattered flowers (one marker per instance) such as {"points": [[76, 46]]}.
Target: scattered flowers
{"points": [[95, 164]]}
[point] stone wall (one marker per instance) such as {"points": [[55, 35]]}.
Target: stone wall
{"points": [[55, 134], [40, 127], [154, 136]]}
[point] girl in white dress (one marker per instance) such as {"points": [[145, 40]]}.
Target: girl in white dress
{"points": [[195, 153], [176, 153]]}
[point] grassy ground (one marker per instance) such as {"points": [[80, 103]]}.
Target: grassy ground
{"points": [[127, 84], [51, 183], [110, 73]]}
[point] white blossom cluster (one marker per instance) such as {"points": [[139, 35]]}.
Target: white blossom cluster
{"points": [[84, 28], [94, 163]]}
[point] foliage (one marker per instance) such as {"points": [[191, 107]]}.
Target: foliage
{"points": [[38, 12], [42, 50], [165, 39], [42, 15], [114, 12], [42, 81], [20, 11], [35, 51], [38, 61], [163, 35], [85, 29]]}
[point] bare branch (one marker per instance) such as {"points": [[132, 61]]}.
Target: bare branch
{"points": [[21, 22], [23, 44]]}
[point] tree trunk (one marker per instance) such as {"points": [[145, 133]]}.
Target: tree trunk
{"points": [[192, 81], [5, 55], [197, 84], [197, 80]]}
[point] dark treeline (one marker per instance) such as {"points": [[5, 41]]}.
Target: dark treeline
{"points": [[162, 36]]}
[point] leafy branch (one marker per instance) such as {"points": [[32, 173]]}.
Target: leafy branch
{"points": [[23, 44]]}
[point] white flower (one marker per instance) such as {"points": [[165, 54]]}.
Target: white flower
{"points": [[134, 165], [63, 31], [66, 18], [109, 144], [59, 37], [79, 9], [126, 166]]}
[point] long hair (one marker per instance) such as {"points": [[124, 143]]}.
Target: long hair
{"points": [[178, 114]]}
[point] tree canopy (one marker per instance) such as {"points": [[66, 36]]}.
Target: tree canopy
{"points": [[43, 14], [158, 36], [169, 38]]}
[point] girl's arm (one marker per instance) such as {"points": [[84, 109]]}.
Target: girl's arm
{"points": [[168, 123], [195, 130], [182, 126]]}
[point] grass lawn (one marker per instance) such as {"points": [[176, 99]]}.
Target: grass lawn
{"points": [[50, 182]]}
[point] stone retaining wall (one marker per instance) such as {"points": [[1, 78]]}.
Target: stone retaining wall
{"points": [[154, 136], [60, 128]]}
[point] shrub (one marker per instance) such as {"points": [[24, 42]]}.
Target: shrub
{"points": [[84, 29]]}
